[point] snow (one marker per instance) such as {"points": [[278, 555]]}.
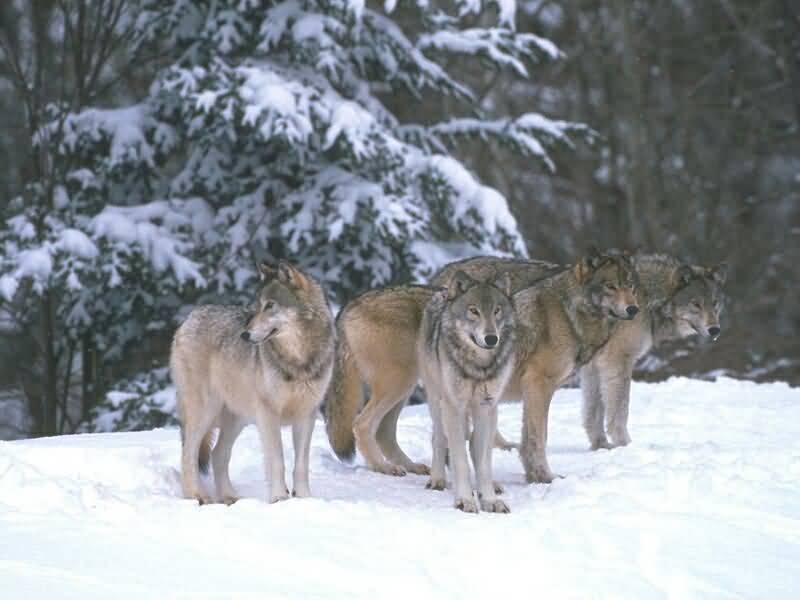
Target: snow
{"points": [[74, 241], [703, 504]]}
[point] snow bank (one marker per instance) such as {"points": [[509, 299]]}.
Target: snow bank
{"points": [[703, 504]]}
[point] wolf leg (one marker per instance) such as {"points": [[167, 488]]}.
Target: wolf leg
{"points": [[537, 394], [617, 391], [230, 426], [484, 430], [593, 407], [387, 440], [386, 394], [453, 421], [502, 443], [269, 428], [301, 436], [197, 421], [438, 480]]}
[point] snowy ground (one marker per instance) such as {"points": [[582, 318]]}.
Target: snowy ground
{"points": [[704, 504]]}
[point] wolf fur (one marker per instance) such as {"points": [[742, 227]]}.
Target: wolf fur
{"points": [[270, 364], [466, 355], [679, 300], [377, 334]]}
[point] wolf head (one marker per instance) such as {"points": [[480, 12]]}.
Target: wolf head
{"points": [[481, 312], [699, 300], [609, 281], [279, 303]]}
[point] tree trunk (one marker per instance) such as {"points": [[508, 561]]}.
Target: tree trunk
{"points": [[50, 367]]}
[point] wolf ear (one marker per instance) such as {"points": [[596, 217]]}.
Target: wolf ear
{"points": [[459, 283], [683, 275], [586, 265], [718, 274], [289, 275], [503, 283], [267, 272]]}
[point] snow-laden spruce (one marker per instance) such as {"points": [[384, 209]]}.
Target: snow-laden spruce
{"points": [[268, 131]]}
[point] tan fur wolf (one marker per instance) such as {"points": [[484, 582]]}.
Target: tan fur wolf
{"points": [[678, 300], [465, 351], [270, 365], [378, 332]]}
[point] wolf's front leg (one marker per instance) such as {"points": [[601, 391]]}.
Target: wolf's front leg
{"points": [[593, 407], [269, 428], [301, 436], [481, 444], [453, 421], [438, 480], [616, 386], [537, 394]]}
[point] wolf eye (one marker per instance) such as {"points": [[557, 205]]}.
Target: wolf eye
{"points": [[696, 304], [611, 286], [474, 311], [497, 311], [269, 305]]}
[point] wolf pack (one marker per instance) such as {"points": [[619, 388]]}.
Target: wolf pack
{"points": [[483, 330]]}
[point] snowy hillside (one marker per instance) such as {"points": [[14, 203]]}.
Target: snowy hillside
{"points": [[704, 504]]}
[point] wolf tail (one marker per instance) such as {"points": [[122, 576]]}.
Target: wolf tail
{"points": [[344, 400]]}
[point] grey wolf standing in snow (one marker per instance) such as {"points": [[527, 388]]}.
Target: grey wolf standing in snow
{"points": [[270, 365], [378, 333], [466, 356], [678, 300]]}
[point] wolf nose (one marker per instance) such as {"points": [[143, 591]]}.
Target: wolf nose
{"points": [[632, 310], [246, 336], [491, 340], [714, 331]]}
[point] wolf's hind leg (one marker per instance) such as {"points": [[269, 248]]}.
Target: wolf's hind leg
{"points": [[230, 427], [302, 429], [385, 394], [196, 424], [593, 408], [387, 440], [538, 393]]}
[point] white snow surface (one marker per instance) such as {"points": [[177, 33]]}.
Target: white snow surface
{"points": [[705, 503]]}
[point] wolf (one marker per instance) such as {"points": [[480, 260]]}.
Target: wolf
{"points": [[270, 365], [680, 300], [465, 351], [377, 347]]}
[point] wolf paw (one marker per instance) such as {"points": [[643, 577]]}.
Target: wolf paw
{"points": [[229, 499], [541, 475], [466, 505], [301, 493], [507, 446], [498, 488], [279, 496], [418, 469], [620, 438], [203, 499], [601, 444], [495, 506], [390, 469], [436, 484]]}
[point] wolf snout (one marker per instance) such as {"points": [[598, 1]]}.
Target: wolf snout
{"points": [[491, 340], [713, 332], [632, 310]]}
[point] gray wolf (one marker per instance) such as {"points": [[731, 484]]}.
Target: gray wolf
{"points": [[465, 351], [679, 301], [270, 365]]}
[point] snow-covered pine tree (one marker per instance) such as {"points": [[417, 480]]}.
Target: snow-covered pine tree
{"points": [[266, 134]]}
